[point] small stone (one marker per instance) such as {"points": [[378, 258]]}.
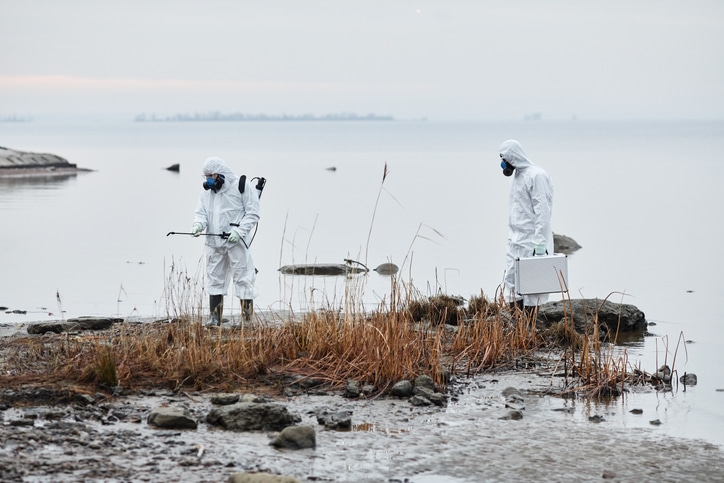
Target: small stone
{"points": [[655, 422]]}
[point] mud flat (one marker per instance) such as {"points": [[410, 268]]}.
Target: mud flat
{"points": [[505, 425]]}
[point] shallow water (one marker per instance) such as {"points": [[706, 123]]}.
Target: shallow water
{"points": [[391, 440]]}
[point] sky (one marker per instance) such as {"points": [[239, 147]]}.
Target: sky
{"points": [[440, 60]]}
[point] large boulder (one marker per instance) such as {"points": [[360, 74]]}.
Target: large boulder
{"points": [[14, 162], [73, 325], [610, 316], [253, 417]]}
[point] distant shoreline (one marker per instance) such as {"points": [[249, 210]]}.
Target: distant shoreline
{"points": [[218, 116]]}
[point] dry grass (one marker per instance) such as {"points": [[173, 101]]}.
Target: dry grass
{"points": [[379, 348], [333, 346]]}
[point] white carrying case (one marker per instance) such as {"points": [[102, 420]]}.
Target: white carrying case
{"points": [[543, 274]]}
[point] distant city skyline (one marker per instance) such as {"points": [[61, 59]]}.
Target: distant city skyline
{"points": [[441, 60]]}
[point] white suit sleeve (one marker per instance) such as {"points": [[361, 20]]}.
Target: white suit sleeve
{"points": [[200, 214]]}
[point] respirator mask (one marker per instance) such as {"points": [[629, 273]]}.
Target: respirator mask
{"points": [[507, 168], [214, 184]]}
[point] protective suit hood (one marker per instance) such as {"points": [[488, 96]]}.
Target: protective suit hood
{"points": [[513, 153], [216, 165]]}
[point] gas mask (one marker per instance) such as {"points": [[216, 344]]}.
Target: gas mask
{"points": [[507, 168], [214, 184]]}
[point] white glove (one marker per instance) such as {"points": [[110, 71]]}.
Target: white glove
{"points": [[196, 230], [234, 237], [539, 250]]}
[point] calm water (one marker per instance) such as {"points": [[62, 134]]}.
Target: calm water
{"points": [[643, 199]]}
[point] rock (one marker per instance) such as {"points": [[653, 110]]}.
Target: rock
{"points": [[24, 163], [79, 323], [402, 389], [387, 269], [225, 399], [513, 415], [564, 244], [655, 422], [245, 416], [352, 389], [171, 418], [418, 400], [261, 478], [688, 379], [335, 420], [611, 316], [425, 381], [296, 437], [436, 398]]}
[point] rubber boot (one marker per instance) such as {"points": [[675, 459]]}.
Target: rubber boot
{"points": [[247, 309], [216, 307], [517, 303]]}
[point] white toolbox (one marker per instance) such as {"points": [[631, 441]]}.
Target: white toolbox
{"points": [[543, 274]]}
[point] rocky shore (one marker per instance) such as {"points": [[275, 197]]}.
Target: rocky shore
{"points": [[510, 424], [504, 426], [23, 163]]}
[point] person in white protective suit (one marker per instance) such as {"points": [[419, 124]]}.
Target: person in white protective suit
{"points": [[223, 209], [530, 205]]}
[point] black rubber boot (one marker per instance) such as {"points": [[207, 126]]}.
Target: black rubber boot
{"points": [[216, 307], [247, 309], [517, 303]]}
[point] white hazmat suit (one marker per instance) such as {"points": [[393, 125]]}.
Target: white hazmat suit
{"points": [[227, 210], [530, 207]]}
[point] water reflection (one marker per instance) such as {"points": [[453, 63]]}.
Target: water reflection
{"points": [[633, 339], [43, 181]]}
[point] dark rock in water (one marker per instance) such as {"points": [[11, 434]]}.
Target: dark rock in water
{"points": [[387, 269], [688, 379], [174, 167], [79, 323], [253, 417], [564, 244], [171, 418], [335, 419], [296, 437], [611, 316]]}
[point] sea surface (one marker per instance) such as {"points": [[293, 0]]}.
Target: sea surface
{"points": [[644, 199]]}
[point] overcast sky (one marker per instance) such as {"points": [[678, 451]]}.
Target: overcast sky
{"points": [[443, 59]]}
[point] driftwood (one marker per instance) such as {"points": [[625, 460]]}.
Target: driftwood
{"points": [[322, 269]]}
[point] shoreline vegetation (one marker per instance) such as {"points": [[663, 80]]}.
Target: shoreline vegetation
{"points": [[410, 337], [239, 116]]}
